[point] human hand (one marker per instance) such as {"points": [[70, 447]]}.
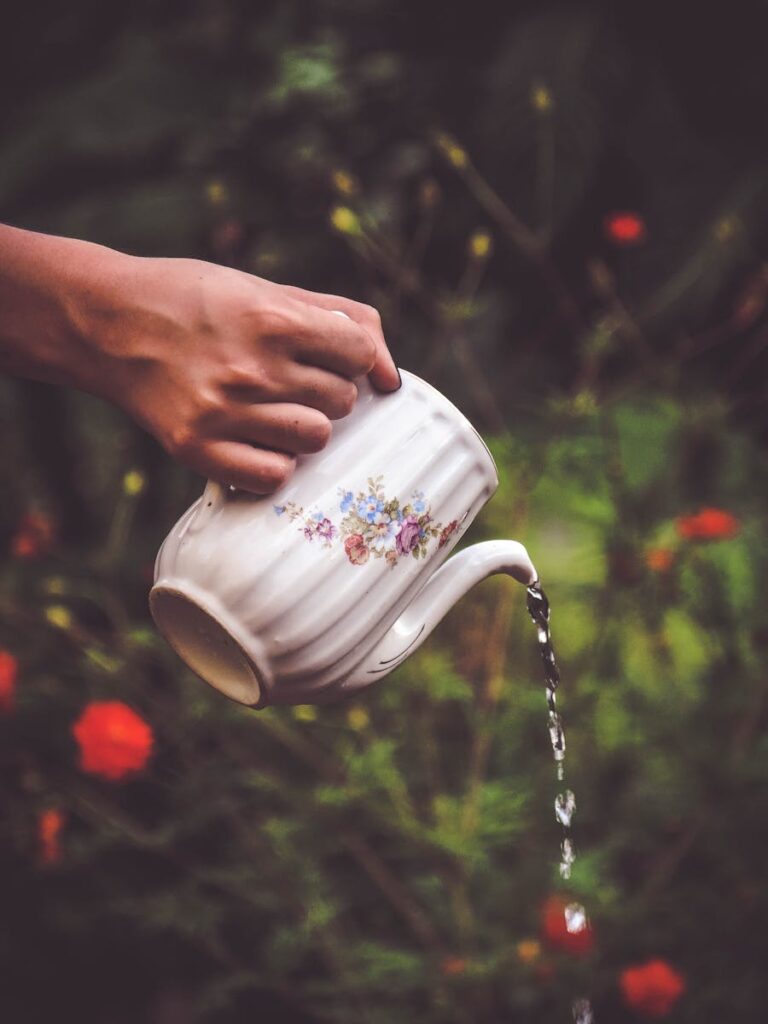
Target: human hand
{"points": [[234, 375]]}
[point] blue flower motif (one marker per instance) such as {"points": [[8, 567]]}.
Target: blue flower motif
{"points": [[318, 517], [279, 509], [346, 501], [419, 505], [368, 508]]}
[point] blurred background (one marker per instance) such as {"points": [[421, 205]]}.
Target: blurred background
{"points": [[561, 212]]}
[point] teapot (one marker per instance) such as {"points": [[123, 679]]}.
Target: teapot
{"points": [[325, 586]]}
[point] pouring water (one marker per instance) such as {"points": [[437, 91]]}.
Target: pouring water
{"points": [[576, 919]]}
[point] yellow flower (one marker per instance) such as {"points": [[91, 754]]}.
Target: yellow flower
{"points": [[451, 150], [358, 718], [133, 483], [496, 687], [528, 951], [59, 616], [345, 220], [584, 403], [480, 245], [216, 191], [541, 98], [344, 183], [266, 260], [305, 713]]}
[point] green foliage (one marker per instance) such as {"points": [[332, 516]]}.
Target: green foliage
{"points": [[344, 855]]}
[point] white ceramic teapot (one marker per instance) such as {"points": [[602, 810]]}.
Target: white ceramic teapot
{"points": [[327, 585]]}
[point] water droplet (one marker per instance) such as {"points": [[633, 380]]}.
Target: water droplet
{"points": [[556, 735], [575, 918], [565, 805], [582, 1012], [567, 857]]}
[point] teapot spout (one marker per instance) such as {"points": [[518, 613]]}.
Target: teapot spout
{"points": [[440, 593]]}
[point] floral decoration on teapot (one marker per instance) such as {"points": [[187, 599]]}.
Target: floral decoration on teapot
{"points": [[373, 525]]}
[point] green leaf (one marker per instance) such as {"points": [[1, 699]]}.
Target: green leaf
{"points": [[388, 967], [692, 651], [647, 438], [614, 728], [734, 561], [432, 669]]}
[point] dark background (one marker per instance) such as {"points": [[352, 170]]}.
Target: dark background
{"points": [[622, 387]]}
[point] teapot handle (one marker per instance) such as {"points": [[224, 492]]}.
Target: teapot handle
{"points": [[439, 594], [211, 500]]}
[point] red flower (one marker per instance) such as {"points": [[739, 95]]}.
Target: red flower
{"points": [[659, 559], [708, 524], [49, 826], [624, 228], [114, 741], [447, 532], [356, 549], [652, 988], [34, 536], [578, 941], [9, 668]]}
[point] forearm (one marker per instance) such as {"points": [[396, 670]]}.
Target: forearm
{"points": [[49, 290], [235, 376]]}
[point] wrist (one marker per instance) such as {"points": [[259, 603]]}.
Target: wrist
{"points": [[91, 302], [50, 290]]}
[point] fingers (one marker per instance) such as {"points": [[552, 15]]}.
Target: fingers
{"points": [[332, 395], [333, 343], [294, 429], [243, 466], [383, 372]]}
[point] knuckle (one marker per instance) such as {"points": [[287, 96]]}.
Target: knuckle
{"points": [[209, 407], [273, 474], [254, 378], [318, 433], [367, 347], [372, 316], [273, 322], [235, 373], [344, 399], [182, 441]]}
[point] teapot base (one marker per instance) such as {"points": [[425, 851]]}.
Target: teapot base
{"points": [[207, 647]]}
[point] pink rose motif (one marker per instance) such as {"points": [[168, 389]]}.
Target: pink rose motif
{"points": [[447, 532], [408, 537], [356, 549]]}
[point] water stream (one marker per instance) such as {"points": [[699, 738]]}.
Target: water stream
{"points": [[576, 919]]}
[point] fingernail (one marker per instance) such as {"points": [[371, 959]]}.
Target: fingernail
{"points": [[400, 378]]}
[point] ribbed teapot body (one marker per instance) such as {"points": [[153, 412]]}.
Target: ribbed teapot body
{"points": [[306, 581]]}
